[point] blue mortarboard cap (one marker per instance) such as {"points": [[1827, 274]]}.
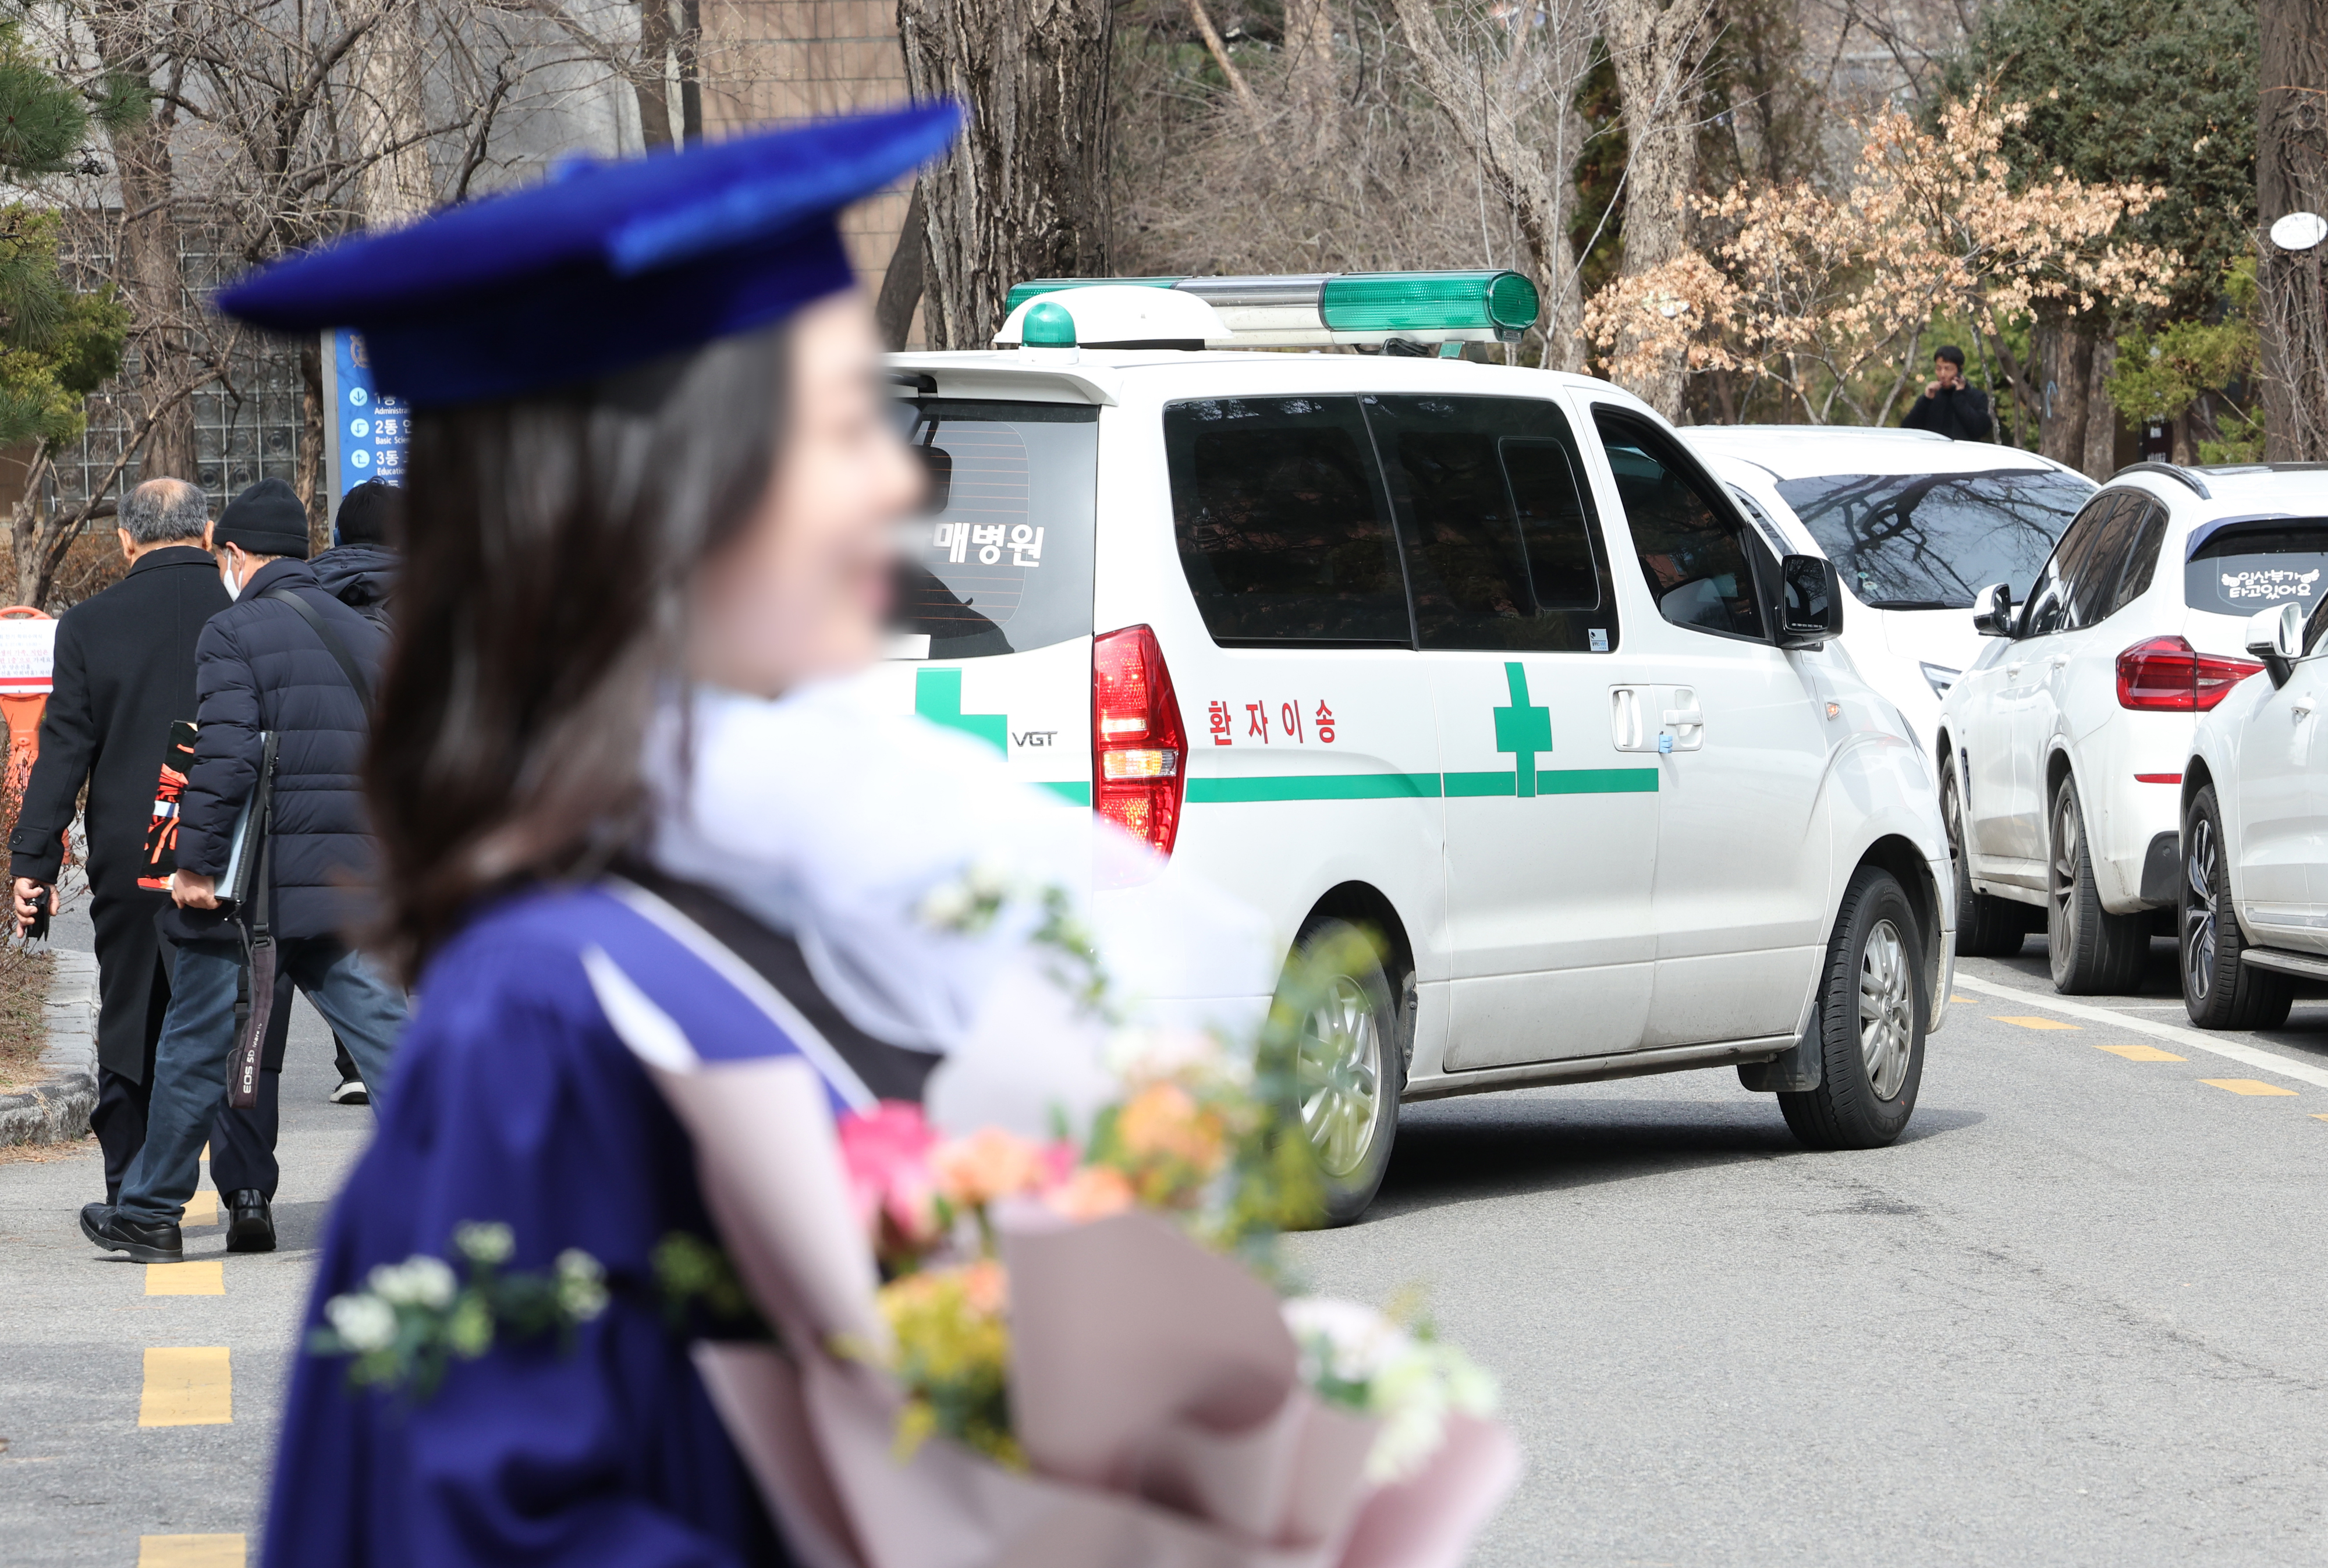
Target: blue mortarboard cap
{"points": [[603, 266]]}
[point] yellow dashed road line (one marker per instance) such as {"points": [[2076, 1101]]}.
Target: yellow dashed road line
{"points": [[191, 1552], [187, 1386], [2140, 1053], [2037, 1023], [2246, 1086], [202, 1208], [206, 1277]]}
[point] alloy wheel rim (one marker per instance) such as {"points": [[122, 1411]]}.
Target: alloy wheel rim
{"points": [[2199, 931], [1339, 1076], [1887, 1009], [2065, 874], [1951, 812]]}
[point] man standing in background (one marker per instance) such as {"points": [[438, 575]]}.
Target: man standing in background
{"points": [[1950, 406], [288, 660], [125, 672]]}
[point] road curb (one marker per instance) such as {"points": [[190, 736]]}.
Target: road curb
{"points": [[57, 1110]]}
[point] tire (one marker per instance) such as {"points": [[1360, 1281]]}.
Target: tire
{"points": [[2092, 952], [1349, 1071], [2219, 991], [1872, 1005], [1987, 926]]}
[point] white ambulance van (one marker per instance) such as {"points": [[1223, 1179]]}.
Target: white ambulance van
{"points": [[1477, 660]]}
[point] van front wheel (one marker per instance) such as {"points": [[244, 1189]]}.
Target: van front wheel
{"points": [[1871, 1011]]}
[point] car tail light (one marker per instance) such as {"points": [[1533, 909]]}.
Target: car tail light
{"points": [[2167, 675], [1138, 745]]}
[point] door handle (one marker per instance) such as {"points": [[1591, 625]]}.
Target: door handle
{"points": [[1625, 727], [2012, 669], [1690, 717], [2056, 661], [2301, 708]]}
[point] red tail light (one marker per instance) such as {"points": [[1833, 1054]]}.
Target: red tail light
{"points": [[2167, 675], [1138, 745]]}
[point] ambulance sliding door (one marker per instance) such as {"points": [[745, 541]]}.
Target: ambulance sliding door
{"points": [[1312, 759], [1551, 831]]}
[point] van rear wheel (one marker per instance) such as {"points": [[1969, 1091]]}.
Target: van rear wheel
{"points": [[1348, 1070], [1871, 1011]]}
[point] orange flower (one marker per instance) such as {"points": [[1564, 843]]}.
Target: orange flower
{"points": [[989, 1164], [1164, 1121], [986, 1288], [1094, 1192]]}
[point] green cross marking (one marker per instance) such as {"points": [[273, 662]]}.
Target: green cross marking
{"points": [[1523, 729], [937, 696]]}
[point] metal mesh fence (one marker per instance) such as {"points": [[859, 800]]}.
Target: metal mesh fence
{"points": [[246, 424]]}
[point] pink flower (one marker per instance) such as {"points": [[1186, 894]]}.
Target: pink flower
{"points": [[886, 1151]]}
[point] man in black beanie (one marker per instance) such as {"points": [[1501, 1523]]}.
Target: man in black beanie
{"points": [[288, 660]]}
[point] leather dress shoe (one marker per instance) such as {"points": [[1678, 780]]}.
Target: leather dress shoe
{"points": [[104, 1226], [251, 1228]]}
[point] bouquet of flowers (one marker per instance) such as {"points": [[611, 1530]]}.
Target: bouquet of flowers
{"points": [[998, 1349]]}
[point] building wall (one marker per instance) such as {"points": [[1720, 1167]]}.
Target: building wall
{"points": [[769, 61]]}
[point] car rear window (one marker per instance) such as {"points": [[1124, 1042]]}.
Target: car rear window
{"points": [[1001, 561], [1930, 542], [2251, 567], [1283, 530]]}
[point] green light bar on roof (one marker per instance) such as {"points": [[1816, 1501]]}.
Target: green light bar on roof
{"points": [[1346, 307]]}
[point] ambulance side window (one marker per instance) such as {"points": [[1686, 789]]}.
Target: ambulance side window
{"points": [[1283, 530], [1692, 549], [1499, 535]]}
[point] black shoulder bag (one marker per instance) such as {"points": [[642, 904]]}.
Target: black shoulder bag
{"points": [[254, 1002]]}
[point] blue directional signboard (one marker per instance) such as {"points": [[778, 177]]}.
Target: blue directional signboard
{"points": [[369, 433]]}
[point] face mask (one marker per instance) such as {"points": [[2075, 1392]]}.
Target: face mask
{"points": [[233, 587]]}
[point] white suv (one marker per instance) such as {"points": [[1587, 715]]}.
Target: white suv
{"points": [[2254, 891], [1915, 523], [1477, 660], [2062, 748]]}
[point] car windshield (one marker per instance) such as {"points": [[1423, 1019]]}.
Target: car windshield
{"points": [[1929, 542]]}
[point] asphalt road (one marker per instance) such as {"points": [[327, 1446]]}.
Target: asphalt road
{"points": [[2073, 1317]]}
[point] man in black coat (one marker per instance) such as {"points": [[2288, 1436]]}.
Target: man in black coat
{"points": [[285, 659], [1950, 406], [124, 673]]}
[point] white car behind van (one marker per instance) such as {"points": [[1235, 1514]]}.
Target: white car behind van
{"points": [[1915, 523]]}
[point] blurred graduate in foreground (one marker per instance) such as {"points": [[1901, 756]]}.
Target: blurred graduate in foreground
{"points": [[654, 483]]}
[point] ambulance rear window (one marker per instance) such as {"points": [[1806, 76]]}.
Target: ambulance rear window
{"points": [[1283, 528], [1000, 561]]}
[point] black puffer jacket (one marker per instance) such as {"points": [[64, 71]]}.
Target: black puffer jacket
{"points": [[263, 667], [361, 576]]}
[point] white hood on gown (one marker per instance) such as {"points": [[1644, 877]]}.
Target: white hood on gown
{"points": [[833, 820]]}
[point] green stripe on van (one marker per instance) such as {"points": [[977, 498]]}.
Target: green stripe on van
{"points": [[1378, 786], [1314, 787]]}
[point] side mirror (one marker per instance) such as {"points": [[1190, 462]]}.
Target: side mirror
{"points": [[2275, 636], [1992, 610], [1810, 609]]}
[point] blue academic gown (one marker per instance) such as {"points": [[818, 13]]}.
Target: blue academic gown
{"points": [[513, 1100]]}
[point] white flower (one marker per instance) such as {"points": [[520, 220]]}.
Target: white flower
{"points": [[1142, 1055], [1354, 1355], [581, 1284], [988, 880], [946, 906], [485, 1244], [363, 1323], [419, 1280]]}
